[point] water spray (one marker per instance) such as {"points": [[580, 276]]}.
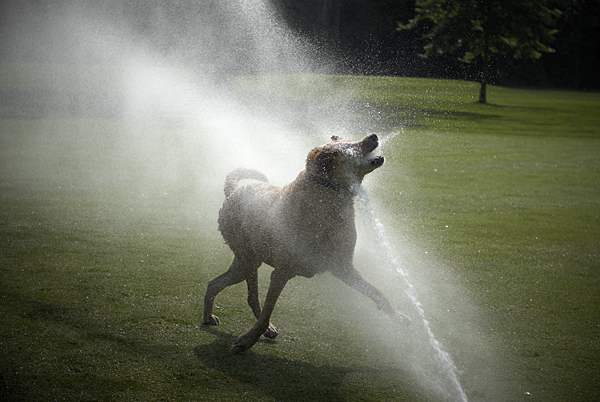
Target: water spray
{"points": [[443, 358]]}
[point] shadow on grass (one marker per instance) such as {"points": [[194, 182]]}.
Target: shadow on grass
{"points": [[280, 378]]}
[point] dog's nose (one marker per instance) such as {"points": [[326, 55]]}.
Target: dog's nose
{"points": [[373, 137]]}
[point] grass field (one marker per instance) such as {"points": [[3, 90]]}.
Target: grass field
{"points": [[108, 237]]}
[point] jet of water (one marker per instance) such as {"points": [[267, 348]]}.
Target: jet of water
{"points": [[442, 357]]}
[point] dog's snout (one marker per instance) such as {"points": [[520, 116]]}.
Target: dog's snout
{"points": [[369, 143], [372, 140]]}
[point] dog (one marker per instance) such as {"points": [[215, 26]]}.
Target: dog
{"points": [[302, 229]]}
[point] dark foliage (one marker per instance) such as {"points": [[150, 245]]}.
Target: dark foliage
{"points": [[363, 36]]}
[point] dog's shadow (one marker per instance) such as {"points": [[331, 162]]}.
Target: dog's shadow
{"points": [[282, 379]]}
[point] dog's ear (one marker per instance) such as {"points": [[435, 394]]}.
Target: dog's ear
{"points": [[322, 162]]}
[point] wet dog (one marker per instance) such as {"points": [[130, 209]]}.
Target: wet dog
{"points": [[302, 229]]}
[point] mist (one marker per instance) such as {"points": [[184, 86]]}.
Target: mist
{"points": [[138, 103]]}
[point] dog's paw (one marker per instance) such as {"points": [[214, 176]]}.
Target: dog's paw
{"points": [[401, 319], [271, 332], [211, 320], [240, 345], [237, 349]]}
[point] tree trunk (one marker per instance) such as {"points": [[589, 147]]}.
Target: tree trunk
{"points": [[482, 93], [484, 79]]}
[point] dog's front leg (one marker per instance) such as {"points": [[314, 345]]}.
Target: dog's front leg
{"points": [[354, 279], [244, 342]]}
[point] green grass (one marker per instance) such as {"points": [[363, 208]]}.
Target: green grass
{"points": [[102, 274]]}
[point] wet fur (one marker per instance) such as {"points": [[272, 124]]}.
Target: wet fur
{"points": [[302, 229]]}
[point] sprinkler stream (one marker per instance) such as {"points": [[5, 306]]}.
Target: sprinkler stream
{"points": [[442, 357]]}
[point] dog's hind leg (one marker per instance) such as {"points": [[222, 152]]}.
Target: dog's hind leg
{"points": [[354, 279], [254, 301], [244, 342], [235, 274]]}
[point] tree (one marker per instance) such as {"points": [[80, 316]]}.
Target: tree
{"points": [[478, 29]]}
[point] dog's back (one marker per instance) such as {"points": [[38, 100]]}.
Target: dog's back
{"points": [[244, 218]]}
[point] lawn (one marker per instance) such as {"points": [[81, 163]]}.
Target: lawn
{"points": [[109, 198]]}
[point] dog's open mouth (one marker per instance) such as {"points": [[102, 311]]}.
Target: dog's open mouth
{"points": [[365, 153], [369, 146], [372, 160], [377, 161]]}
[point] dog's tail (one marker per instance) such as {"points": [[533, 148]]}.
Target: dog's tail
{"points": [[232, 179]]}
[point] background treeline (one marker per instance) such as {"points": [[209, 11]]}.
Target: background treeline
{"points": [[362, 35], [346, 36]]}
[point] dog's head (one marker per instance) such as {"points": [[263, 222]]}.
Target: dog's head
{"points": [[344, 162]]}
